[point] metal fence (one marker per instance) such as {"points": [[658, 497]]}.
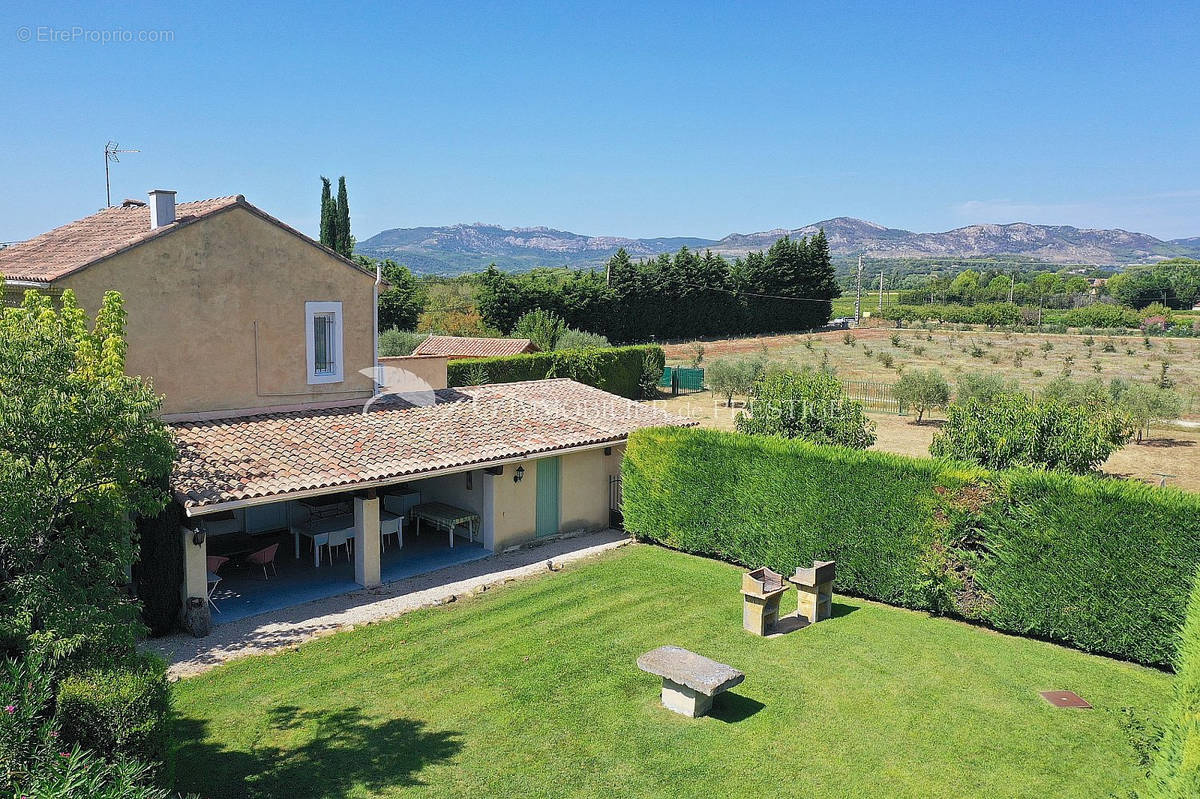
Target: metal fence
{"points": [[874, 396], [681, 380]]}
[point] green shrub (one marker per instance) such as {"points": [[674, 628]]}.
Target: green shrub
{"points": [[572, 339], [809, 405], [1176, 771], [120, 712], [1015, 430], [1099, 314], [974, 385], [541, 327], [394, 342], [619, 370], [1104, 565]]}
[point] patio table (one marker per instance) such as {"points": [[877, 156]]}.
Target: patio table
{"points": [[319, 529], [446, 517]]}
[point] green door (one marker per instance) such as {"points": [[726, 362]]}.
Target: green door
{"points": [[547, 497]]}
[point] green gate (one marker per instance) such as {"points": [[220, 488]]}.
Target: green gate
{"points": [[681, 380]]}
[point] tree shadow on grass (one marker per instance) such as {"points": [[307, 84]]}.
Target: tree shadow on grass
{"points": [[732, 708], [311, 753]]}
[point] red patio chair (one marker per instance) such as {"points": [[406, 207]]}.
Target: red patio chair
{"points": [[265, 557]]}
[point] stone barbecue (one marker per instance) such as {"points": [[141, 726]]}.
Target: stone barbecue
{"points": [[814, 590], [761, 590]]}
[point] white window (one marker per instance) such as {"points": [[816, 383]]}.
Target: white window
{"points": [[323, 333]]}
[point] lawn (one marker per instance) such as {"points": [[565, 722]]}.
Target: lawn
{"points": [[532, 690]]}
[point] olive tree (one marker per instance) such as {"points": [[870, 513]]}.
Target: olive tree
{"points": [[922, 391], [727, 377]]}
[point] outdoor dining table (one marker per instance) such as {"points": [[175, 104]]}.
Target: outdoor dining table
{"points": [[320, 529], [446, 517]]}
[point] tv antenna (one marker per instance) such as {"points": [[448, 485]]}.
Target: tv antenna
{"points": [[110, 154]]}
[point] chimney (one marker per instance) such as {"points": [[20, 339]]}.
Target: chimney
{"points": [[162, 208]]}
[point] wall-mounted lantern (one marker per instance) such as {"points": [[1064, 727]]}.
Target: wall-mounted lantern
{"points": [[198, 536], [519, 474]]}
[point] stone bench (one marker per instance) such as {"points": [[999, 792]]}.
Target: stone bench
{"points": [[690, 681]]}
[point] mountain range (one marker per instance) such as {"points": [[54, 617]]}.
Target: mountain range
{"points": [[455, 249]]}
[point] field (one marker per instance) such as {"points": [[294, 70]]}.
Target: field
{"points": [[1172, 450], [532, 690]]}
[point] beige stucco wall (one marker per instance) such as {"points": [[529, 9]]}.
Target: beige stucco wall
{"points": [[583, 487], [583, 496], [414, 372], [514, 506], [194, 297]]}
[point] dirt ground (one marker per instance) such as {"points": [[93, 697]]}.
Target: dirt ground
{"points": [[1032, 359], [1174, 452]]}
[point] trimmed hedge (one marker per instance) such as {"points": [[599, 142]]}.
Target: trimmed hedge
{"points": [[614, 369], [1176, 771], [1104, 565], [118, 712]]}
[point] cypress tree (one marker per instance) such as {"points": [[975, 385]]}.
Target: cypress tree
{"points": [[328, 217], [345, 243]]}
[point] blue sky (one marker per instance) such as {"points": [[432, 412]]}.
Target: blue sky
{"points": [[639, 119]]}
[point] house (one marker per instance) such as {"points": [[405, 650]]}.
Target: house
{"points": [[465, 347], [228, 308], [299, 449]]}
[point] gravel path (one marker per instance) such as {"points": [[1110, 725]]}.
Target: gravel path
{"points": [[258, 635]]}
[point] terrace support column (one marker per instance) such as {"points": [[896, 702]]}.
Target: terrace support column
{"points": [[195, 566], [366, 541]]}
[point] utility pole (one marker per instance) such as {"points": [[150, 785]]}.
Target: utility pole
{"points": [[1011, 286], [881, 290], [110, 154], [858, 296]]}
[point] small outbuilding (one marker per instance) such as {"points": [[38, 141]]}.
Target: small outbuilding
{"points": [[467, 347]]}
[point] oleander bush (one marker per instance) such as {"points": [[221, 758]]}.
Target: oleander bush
{"points": [[616, 369], [1104, 565]]}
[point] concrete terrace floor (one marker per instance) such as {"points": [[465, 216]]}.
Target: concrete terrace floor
{"points": [[243, 592], [290, 626]]}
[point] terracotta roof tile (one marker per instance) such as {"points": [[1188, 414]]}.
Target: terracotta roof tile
{"points": [[466, 347], [267, 455], [77, 244]]}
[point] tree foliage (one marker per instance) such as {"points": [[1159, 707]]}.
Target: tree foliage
{"points": [[808, 405], [82, 453], [543, 328], [729, 376], [684, 295], [345, 241], [922, 390], [1013, 430], [328, 215], [401, 303]]}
